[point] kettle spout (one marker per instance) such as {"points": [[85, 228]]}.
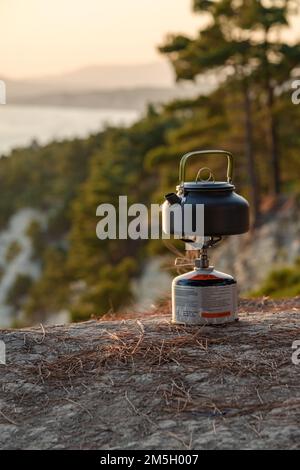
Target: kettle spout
{"points": [[172, 198]]}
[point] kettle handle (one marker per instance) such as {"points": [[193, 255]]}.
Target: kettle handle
{"points": [[206, 152]]}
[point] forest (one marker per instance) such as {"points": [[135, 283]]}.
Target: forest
{"points": [[250, 113]]}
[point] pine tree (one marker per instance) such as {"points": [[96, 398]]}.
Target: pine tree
{"points": [[238, 45], [219, 48], [275, 61]]}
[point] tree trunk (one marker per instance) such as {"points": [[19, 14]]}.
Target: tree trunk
{"points": [[272, 121], [273, 141], [249, 151]]}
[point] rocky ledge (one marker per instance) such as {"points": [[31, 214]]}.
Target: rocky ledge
{"points": [[144, 383]]}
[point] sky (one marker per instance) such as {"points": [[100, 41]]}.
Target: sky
{"points": [[45, 37]]}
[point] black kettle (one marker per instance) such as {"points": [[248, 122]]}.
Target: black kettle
{"points": [[225, 212]]}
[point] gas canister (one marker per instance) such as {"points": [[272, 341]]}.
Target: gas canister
{"points": [[204, 296]]}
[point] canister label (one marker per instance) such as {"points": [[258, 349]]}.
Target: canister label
{"points": [[209, 304]]}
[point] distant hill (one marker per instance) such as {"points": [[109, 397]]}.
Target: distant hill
{"points": [[119, 86], [97, 77], [130, 98], [157, 74]]}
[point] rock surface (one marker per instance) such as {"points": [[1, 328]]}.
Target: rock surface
{"points": [[146, 384]]}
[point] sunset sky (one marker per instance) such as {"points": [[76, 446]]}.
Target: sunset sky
{"points": [[44, 37]]}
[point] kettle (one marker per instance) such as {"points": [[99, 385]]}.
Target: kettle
{"points": [[225, 211]]}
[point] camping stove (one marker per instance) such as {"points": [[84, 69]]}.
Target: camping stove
{"points": [[204, 295]]}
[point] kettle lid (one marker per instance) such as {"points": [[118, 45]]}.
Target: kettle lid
{"points": [[206, 186]]}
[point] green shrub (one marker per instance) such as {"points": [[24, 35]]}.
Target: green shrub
{"points": [[13, 250], [19, 290], [37, 237], [284, 282]]}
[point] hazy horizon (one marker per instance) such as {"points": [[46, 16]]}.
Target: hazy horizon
{"points": [[42, 39], [45, 39]]}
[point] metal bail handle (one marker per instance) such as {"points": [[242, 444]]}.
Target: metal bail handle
{"points": [[206, 152]]}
